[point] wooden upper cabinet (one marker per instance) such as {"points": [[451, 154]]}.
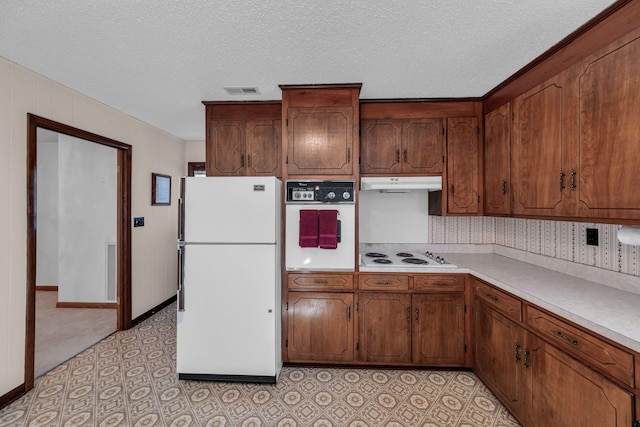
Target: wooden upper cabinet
{"points": [[381, 146], [462, 165], [423, 142], [543, 139], [394, 146], [263, 153], [609, 132], [320, 141], [225, 148], [323, 123], [497, 161], [243, 138]]}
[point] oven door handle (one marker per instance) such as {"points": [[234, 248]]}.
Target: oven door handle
{"points": [[339, 231]]}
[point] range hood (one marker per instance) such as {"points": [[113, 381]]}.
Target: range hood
{"points": [[401, 184]]}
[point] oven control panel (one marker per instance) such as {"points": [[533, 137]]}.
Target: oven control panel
{"points": [[320, 192]]}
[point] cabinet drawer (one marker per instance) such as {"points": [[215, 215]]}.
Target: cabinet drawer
{"points": [[438, 283], [506, 304], [582, 345], [311, 282], [384, 282]]}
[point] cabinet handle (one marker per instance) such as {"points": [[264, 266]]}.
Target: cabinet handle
{"points": [[517, 352], [561, 181], [525, 362], [492, 298], [452, 189], [348, 312], [320, 282], [417, 314], [383, 283], [397, 156], [504, 187], [348, 155], [406, 155], [408, 314], [573, 179], [565, 338], [441, 284], [249, 160], [242, 160]]}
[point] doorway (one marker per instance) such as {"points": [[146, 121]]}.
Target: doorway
{"points": [[119, 293]]}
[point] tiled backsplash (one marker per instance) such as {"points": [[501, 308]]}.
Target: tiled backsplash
{"points": [[556, 239]]}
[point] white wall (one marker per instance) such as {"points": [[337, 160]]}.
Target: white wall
{"points": [[87, 214], [154, 266], [47, 235]]}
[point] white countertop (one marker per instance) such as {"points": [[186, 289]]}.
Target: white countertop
{"points": [[611, 312]]}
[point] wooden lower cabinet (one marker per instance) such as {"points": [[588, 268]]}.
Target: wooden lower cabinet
{"points": [[563, 392], [320, 327], [438, 329], [384, 327], [541, 385], [499, 352]]}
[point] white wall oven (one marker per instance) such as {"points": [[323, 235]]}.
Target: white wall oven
{"points": [[320, 225]]}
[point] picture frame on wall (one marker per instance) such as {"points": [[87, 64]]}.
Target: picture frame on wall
{"points": [[160, 190]]}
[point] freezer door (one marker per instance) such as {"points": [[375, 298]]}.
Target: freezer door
{"points": [[232, 209], [231, 311]]}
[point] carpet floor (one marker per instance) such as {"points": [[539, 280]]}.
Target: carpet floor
{"points": [[129, 379]]}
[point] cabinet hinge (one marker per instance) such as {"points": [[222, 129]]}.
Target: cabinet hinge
{"points": [[286, 343]]}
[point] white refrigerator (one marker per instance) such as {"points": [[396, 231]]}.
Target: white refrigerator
{"points": [[229, 291]]}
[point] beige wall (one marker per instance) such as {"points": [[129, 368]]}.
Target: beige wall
{"points": [[153, 246], [195, 151]]}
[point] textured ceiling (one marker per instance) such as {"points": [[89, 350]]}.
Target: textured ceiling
{"points": [[157, 60]]}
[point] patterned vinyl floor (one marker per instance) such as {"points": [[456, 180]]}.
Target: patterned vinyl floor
{"points": [[129, 379]]}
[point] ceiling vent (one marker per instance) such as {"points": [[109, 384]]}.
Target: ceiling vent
{"points": [[242, 90]]}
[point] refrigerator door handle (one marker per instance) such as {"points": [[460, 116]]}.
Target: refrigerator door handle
{"points": [[180, 295]]}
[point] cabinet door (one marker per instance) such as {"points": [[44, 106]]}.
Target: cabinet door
{"points": [[320, 326], [380, 146], [565, 393], [320, 141], [497, 161], [462, 166], [263, 148], [498, 352], [422, 141], [385, 327], [543, 145], [225, 148], [438, 329], [609, 132]]}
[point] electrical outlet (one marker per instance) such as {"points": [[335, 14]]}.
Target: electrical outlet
{"points": [[138, 221], [592, 236]]}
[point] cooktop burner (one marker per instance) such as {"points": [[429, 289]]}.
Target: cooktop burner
{"points": [[415, 261], [376, 255], [402, 259]]}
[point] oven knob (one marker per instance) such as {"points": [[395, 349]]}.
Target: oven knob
{"points": [[346, 195], [331, 195], [296, 195]]}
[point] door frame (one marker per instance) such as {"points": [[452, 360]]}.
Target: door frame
{"points": [[123, 229]]}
